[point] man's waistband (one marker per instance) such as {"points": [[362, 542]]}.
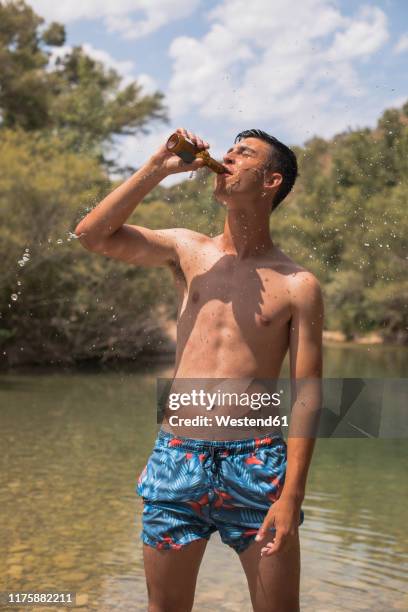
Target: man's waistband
{"points": [[167, 439]]}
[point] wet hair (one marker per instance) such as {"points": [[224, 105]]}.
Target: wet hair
{"points": [[282, 160]]}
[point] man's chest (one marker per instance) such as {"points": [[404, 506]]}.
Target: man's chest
{"points": [[254, 300]]}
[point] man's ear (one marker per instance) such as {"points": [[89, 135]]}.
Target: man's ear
{"points": [[272, 179]]}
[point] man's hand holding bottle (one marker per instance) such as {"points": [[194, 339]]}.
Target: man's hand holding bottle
{"points": [[171, 163]]}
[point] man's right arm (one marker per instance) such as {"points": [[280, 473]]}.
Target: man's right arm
{"points": [[104, 229]]}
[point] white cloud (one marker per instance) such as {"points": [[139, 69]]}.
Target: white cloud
{"points": [[362, 36], [148, 83], [130, 18], [402, 44], [275, 63]]}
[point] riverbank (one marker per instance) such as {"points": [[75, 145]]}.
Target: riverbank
{"points": [[338, 336]]}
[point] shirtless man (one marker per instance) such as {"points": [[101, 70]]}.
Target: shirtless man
{"points": [[243, 304]]}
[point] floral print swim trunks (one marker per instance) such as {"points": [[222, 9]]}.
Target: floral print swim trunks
{"points": [[192, 488]]}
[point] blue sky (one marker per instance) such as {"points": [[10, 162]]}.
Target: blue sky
{"points": [[297, 69]]}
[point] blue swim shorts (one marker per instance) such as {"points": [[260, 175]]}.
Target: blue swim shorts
{"points": [[191, 488]]}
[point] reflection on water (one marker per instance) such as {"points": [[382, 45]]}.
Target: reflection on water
{"points": [[73, 445]]}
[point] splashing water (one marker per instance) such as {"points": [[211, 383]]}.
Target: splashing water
{"points": [[26, 257]]}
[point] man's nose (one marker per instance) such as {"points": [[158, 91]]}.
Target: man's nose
{"points": [[228, 159]]}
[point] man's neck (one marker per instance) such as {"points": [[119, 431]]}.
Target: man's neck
{"points": [[246, 234]]}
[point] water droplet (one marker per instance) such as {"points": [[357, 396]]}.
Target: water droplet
{"points": [[14, 296]]}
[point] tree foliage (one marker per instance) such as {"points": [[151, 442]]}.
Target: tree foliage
{"points": [[58, 301], [345, 220], [72, 95]]}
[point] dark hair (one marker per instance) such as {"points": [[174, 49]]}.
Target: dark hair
{"points": [[282, 159]]}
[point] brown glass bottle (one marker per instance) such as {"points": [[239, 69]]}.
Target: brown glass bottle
{"points": [[188, 152]]}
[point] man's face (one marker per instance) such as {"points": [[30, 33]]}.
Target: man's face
{"points": [[246, 162]]}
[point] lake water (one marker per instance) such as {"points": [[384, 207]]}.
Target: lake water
{"points": [[74, 443]]}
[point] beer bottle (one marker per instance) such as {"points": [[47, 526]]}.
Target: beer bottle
{"points": [[188, 152]]}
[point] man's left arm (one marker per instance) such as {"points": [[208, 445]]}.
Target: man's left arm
{"points": [[306, 366]]}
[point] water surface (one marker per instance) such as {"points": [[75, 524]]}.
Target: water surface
{"points": [[74, 443]]}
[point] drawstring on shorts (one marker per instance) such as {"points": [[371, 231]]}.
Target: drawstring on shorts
{"points": [[215, 459]]}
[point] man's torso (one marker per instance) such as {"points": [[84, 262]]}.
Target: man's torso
{"points": [[234, 315]]}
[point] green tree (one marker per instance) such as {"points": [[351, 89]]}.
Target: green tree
{"points": [[58, 302], [78, 98]]}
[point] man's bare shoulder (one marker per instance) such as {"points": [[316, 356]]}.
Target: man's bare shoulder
{"points": [[303, 284], [306, 293], [306, 287]]}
